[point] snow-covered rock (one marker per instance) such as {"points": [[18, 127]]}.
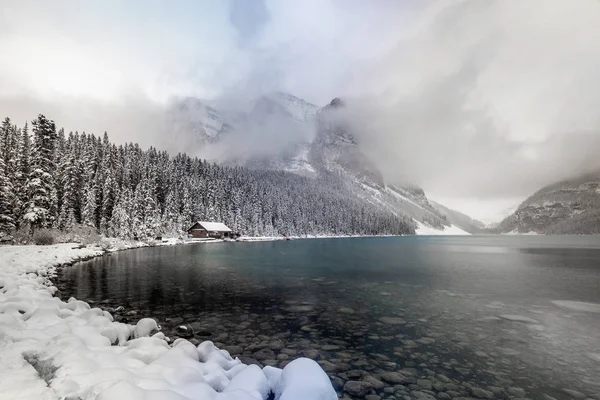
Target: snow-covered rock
{"points": [[301, 379], [51, 349]]}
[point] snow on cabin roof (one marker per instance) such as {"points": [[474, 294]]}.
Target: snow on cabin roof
{"points": [[214, 226]]}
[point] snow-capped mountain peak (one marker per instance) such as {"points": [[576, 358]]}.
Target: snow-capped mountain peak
{"points": [[299, 109]]}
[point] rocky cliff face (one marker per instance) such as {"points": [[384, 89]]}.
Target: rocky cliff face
{"points": [[568, 207], [335, 149]]}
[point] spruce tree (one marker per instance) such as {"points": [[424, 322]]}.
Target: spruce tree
{"points": [[22, 176], [7, 223], [9, 152], [41, 191], [120, 223], [88, 213]]}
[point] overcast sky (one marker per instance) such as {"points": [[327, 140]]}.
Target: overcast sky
{"points": [[480, 102]]}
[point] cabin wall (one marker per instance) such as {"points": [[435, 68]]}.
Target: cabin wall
{"points": [[198, 233], [219, 235]]}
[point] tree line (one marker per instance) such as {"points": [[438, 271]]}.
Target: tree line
{"points": [[50, 179]]}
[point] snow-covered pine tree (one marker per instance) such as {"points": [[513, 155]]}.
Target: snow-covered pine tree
{"points": [[22, 176], [70, 212], [60, 161], [109, 198], [9, 137], [40, 185], [120, 222], [88, 213], [9, 152], [185, 217], [169, 218], [7, 223]]}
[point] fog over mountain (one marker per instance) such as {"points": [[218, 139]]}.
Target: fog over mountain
{"points": [[480, 103]]}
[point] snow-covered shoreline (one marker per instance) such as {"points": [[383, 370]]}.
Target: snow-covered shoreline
{"points": [[51, 349]]}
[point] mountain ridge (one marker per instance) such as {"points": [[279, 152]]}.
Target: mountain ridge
{"points": [[314, 141], [570, 206], [460, 219]]}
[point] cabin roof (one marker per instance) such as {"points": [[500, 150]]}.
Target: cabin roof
{"points": [[213, 226]]}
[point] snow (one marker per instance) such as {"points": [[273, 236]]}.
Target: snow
{"points": [[404, 198], [516, 232], [170, 242], [214, 226], [52, 349], [300, 162], [300, 380], [423, 229], [299, 109]]}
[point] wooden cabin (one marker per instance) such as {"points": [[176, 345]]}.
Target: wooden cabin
{"points": [[203, 229]]}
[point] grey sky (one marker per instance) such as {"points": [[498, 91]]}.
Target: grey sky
{"points": [[480, 102]]}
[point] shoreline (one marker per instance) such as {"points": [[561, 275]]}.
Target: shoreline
{"points": [[51, 348]]}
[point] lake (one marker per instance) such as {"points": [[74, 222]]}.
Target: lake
{"points": [[405, 317]]}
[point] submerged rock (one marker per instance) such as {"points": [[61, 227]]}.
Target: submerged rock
{"points": [[234, 349], [519, 318], [393, 377], [574, 394], [481, 393], [356, 388], [373, 382], [265, 354], [516, 391], [184, 331], [425, 384], [300, 308], [418, 395], [392, 320], [328, 366]]}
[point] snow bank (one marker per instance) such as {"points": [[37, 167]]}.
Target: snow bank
{"points": [[423, 229], [516, 232], [299, 380], [51, 349]]}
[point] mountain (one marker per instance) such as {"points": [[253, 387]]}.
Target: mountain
{"points": [[568, 207], [199, 119], [316, 142], [459, 219]]}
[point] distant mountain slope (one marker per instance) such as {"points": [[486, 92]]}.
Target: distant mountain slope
{"points": [[459, 219], [567, 207], [307, 140], [193, 116]]}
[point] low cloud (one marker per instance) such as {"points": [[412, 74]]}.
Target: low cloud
{"points": [[135, 119], [487, 99], [480, 100]]}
